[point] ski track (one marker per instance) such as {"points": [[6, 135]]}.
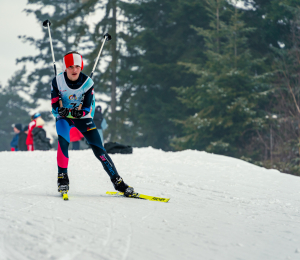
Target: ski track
{"points": [[220, 208]]}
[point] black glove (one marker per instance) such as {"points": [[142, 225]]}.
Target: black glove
{"points": [[63, 111], [77, 113]]}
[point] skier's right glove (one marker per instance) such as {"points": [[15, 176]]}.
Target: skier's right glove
{"points": [[77, 113], [63, 111]]}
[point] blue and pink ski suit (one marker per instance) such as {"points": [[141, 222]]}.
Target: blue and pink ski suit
{"points": [[72, 93]]}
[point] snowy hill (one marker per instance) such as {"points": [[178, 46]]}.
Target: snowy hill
{"points": [[220, 208]]}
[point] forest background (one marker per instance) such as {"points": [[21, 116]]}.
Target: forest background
{"points": [[211, 75]]}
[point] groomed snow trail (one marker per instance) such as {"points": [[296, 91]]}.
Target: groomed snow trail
{"points": [[220, 208]]}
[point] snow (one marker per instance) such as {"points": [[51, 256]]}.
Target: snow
{"points": [[220, 208]]}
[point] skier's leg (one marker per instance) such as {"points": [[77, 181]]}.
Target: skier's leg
{"points": [[101, 136], [63, 127], [95, 142], [62, 155]]}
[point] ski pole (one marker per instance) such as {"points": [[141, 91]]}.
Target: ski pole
{"points": [[47, 24], [107, 37]]}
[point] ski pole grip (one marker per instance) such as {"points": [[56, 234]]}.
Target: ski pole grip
{"points": [[55, 71], [46, 22]]}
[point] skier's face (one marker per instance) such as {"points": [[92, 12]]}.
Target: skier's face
{"points": [[73, 72], [16, 130]]}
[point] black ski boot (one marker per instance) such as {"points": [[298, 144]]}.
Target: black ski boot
{"points": [[121, 186], [63, 182]]}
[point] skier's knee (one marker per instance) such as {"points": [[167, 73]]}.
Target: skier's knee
{"points": [[63, 143]]}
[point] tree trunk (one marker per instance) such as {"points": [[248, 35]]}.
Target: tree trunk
{"points": [[66, 29], [114, 70], [218, 25], [299, 140], [235, 32]]}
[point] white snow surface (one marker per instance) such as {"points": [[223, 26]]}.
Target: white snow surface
{"points": [[220, 208]]}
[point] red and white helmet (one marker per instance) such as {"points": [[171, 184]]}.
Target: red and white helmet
{"points": [[72, 58]]}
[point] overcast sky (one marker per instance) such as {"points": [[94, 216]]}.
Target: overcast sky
{"points": [[14, 22]]}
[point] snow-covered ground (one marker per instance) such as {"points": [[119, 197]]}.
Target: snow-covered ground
{"points": [[220, 208]]}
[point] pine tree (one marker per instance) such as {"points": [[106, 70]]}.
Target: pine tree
{"points": [[228, 93], [159, 36], [286, 105], [13, 108], [272, 21]]}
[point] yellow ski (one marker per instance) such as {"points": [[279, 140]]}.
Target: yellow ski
{"points": [[138, 196]]}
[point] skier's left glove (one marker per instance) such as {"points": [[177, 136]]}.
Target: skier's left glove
{"points": [[63, 111], [77, 113]]}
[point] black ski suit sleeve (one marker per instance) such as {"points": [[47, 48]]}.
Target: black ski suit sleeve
{"points": [[54, 95], [88, 99]]}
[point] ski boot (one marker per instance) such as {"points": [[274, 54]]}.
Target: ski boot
{"points": [[63, 182], [121, 186]]}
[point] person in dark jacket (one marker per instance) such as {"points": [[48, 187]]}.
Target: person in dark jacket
{"points": [[40, 141], [32, 124], [100, 122], [14, 141], [22, 139]]}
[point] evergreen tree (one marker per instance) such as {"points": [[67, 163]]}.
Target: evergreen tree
{"points": [[286, 104], [227, 96], [13, 108], [272, 21], [159, 36]]}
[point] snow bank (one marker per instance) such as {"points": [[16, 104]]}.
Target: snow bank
{"points": [[220, 208]]}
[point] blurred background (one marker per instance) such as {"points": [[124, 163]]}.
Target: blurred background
{"points": [[211, 75]]}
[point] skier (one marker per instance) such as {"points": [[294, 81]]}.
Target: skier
{"points": [[71, 90]]}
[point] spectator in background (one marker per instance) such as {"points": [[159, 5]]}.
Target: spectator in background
{"points": [[75, 137], [100, 122], [22, 139], [40, 141], [31, 126], [14, 141]]}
